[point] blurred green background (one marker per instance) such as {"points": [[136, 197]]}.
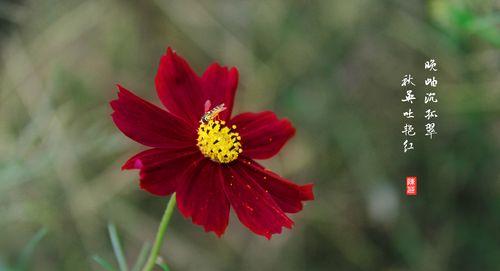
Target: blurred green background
{"points": [[333, 67]]}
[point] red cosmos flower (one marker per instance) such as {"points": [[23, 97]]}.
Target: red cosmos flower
{"points": [[204, 155]]}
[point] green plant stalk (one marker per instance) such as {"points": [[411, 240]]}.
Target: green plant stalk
{"points": [[153, 255], [117, 247]]}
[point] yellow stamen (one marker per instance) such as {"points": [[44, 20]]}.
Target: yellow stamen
{"points": [[218, 142]]}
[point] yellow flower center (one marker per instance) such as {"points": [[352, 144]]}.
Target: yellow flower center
{"points": [[218, 142]]}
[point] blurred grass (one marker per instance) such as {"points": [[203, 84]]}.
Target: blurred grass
{"points": [[24, 259], [332, 67]]}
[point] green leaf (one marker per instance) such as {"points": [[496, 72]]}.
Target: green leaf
{"points": [[117, 248], [141, 260], [102, 262], [28, 250], [163, 266]]}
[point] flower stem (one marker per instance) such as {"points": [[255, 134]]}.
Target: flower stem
{"points": [[160, 234]]}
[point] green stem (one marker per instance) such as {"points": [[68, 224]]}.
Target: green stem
{"points": [[160, 234]]}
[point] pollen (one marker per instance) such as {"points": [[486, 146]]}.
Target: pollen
{"points": [[218, 142]]}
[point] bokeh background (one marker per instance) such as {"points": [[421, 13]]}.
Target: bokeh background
{"points": [[333, 67]]}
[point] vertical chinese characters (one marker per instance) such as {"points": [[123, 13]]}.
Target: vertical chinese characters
{"points": [[408, 129], [430, 98]]}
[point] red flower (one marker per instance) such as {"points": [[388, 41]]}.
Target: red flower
{"points": [[204, 155]]}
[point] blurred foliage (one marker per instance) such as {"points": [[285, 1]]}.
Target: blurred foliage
{"points": [[120, 256], [332, 67], [23, 261]]}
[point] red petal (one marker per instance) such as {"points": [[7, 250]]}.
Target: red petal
{"points": [[179, 88], [287, 195], [219, 86], [201, 197], [254, 207], [161, 170], [149, 124], [262, 134]]}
